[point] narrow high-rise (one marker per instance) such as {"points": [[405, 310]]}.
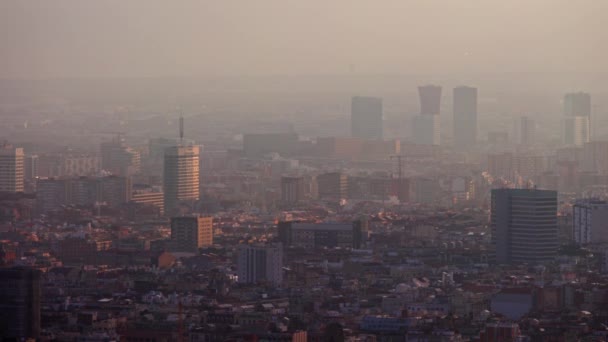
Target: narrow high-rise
{"points": [[465, 116], [11, 168], [181, 176], [576, 127], [430, 99], [525, 131], [577, 104], [426, 127], [524, 225], [366, 118]]}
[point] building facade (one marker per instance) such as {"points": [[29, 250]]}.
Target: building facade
{"points": [[260, 264], [189, 233], [524, 225], [181, 176], [20, 290], [11, 168]]}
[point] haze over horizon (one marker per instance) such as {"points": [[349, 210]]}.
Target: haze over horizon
{"points": [[132, 39]]}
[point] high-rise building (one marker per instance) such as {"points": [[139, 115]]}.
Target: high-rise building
{"points": [[430, 99], [292, 189], [149, 196], [181, 176], [19, 303], [589, 221], [576, 130], [30, 166], [260, 264], [189, 233], [501, 165], [524, 225], [577, 119], [427, 126], [332, 185], [119, 159], [577, 104], [426, 130], [366, 118], [525, 131], [11, 168], [465, 116]]}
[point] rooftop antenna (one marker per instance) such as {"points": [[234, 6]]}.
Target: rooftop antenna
{"points": [[181, 128]]}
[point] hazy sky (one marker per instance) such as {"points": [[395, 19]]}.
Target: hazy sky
{"points": [[133, 38]]}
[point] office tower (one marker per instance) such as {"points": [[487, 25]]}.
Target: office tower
{"points": [[576, 127], [427, 126], [589, 221], [576, 130], [525, 131], [426, 129], [152, 196], [30, 167], [333, 185], [181, 176], [189, 233], [524, 225], [19, 303], [577, 104], [292, 189], [260, 264], [430, 99], [257, 145], [465, 116], [119, 159], [11, 168], [320, 235], [366, 117]]}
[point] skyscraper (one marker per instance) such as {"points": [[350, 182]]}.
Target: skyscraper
{"points": [[426, 130], [526, 131], [181, 176], [19, 303], [260, 264], [366, 117], [577, 119], [524, 225], [430, 99], [427, 126], [189, 233], [576, 130], [577, 104], [465, 116], [292, 189], [11, 168]]}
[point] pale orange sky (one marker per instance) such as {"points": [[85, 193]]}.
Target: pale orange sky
{"points": [[149, 38]]}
